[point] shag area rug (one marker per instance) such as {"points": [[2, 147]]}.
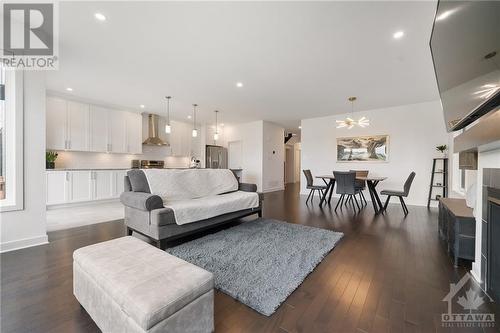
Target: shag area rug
{"points": [[260, 262]]}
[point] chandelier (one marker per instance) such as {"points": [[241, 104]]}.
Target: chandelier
{"points": [[350, 122]]}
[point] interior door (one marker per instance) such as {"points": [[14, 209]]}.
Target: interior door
{"points": [[98, 129], [78, 126], [56, 126]]}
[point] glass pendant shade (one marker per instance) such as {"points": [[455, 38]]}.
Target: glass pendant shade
{"points": [[216, 136], [194, 133], [168, 129]]}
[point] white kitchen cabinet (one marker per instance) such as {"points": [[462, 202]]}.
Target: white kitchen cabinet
{"points": [[78, 126], [180, 139], [103, 184], [117, 131], [57, 187], [134, 133], [56, 123], [118, 187], [99, 120], [80, 186]]}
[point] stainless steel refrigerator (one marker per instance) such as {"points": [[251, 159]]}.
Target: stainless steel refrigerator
{"points": [[215, 157]]}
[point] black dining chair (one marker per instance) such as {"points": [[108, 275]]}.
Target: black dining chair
{"points": [[312, 187], [400, 194], [345, 182], [361, 184]]}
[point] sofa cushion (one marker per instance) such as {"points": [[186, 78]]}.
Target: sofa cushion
{"points": [[138, 181], [193, 210], [172, 185], [148, 284]]}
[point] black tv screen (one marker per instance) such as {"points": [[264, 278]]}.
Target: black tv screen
{"points": [[465, 45]]}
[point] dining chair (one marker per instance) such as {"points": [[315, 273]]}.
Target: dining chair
{"points": [[311, 186], [361, 184], [400, 194], [345, 182]]}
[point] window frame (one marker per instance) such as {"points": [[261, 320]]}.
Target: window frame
{"points": [[14, 145]]}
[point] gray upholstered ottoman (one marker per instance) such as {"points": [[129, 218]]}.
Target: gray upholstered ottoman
{"points": [[127, 285]]}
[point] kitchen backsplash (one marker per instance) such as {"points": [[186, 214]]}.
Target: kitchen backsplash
{"points": [[84, 160]]}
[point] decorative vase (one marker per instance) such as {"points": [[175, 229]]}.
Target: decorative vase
{"points": [[50, 165]]}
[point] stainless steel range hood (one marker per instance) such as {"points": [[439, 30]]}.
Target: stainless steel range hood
{"points": [[153, 138]]}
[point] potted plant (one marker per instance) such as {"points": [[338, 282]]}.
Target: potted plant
{"points": [[442, 149], [50, 159]]}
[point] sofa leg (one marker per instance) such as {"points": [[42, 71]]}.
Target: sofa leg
{"points": [[161, 244], [259, 213], [129, 231]]}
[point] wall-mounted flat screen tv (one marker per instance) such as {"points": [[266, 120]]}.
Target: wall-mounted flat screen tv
{"points": [[465, 45]]}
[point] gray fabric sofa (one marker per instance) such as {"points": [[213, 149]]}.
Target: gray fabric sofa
{"points": [[146, 214]]}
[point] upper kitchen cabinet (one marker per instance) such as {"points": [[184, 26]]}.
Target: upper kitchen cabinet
{"points": [[134, 133], [117, 139], [78, 126], [99, 129], [67, 125], [56, 123]]}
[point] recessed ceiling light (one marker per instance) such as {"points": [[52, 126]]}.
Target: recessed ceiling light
{"points": [[398, 34], [69, 89], [300, 127], [142, 106], [239, 84], [222, 124], [100, 17], [189, 117]]}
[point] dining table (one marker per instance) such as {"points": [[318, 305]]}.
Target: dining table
{"points": [[371, 183]]}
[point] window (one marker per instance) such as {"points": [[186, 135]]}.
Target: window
{"points": [[462, 179], [11, 139]]}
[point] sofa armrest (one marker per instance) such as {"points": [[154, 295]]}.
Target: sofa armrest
{"points": [[162, 217], [246, 187], [141, 200]]}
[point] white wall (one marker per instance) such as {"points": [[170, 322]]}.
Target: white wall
{"points": [[27, 227], [273, 157], [414, 132], [259, 139], [87, 160], [251, 137], [296, 148]]}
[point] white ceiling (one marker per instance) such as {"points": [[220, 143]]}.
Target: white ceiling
{"points": [[296, 59]]}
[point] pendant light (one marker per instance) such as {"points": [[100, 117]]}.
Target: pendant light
{"points": [[195, 131], [216, 134], [349, 122], [168, 128]]}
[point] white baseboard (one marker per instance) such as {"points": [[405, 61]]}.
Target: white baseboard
{"points": [[280, 188], [23, 243], [82, 203]]}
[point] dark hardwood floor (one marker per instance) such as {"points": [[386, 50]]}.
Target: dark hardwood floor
{"points": [[388, 274]]}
